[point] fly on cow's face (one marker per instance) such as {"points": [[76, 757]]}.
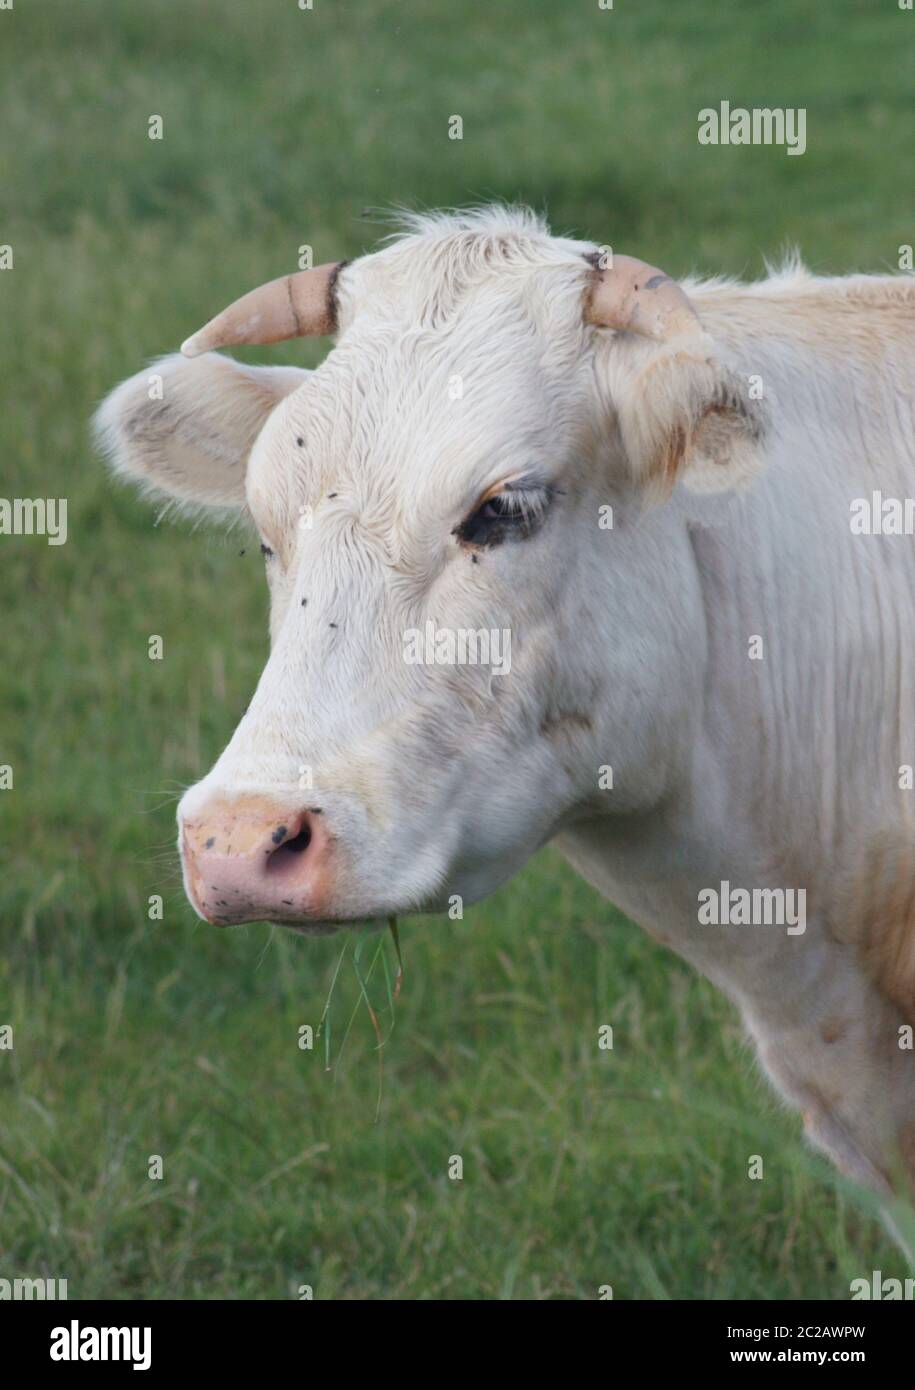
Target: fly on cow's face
{"points": [[513, 511]]}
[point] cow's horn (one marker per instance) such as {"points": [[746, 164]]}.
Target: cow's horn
{"points": [[294, 306], [639, 298]]}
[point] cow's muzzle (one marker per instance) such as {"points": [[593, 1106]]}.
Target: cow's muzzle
{"points": [[252, 859]]}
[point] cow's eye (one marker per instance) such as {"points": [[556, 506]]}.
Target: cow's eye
{"points": [[266, 551], [512, 514]]}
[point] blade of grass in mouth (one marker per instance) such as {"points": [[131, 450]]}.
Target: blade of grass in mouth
{"points": [[392, 923], [363, 978]]}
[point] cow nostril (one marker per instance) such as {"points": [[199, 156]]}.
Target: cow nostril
{"points": [[298, 843], [288, 850]]}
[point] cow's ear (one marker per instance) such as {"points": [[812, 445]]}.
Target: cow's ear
{"points": [[184, 428], [686, 416]]}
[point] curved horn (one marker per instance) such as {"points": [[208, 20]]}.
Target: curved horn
{"points": [[639, 298], [294, 306]]}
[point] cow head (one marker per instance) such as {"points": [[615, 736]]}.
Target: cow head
{"points": [[486, 623]]}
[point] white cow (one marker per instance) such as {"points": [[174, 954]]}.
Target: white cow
{"points": [[659, 494]]}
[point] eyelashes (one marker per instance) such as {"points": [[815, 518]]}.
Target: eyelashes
{"points": [[512, 514]]}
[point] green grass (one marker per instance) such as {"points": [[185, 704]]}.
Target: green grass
{"points": [[133, 1037]]}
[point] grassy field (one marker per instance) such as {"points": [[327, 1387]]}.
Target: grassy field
{"points": [[136, 1037]]}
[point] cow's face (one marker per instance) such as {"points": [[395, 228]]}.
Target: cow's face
{"points": [[479, 632]]}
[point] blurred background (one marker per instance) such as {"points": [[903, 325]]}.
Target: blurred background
{"points": [[137, 1037]]}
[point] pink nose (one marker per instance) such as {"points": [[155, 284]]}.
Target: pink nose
{"points": [[248, 860]]}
